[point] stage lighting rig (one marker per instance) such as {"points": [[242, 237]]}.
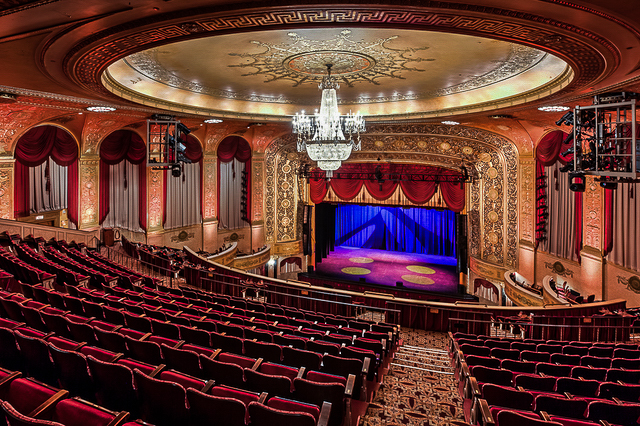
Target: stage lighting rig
{"points": [[166, 143], [604, 137]]}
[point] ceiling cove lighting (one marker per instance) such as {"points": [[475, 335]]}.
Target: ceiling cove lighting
{"points": [[100, 108], [213, 120], [327, 136], [553, 108], [450, 123]]}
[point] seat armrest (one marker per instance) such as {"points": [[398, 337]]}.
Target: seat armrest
{"points": [[145, 337], [545, 416], [117, 327], [215, 354], [119, 419], [116, 357], [207, 386], [351, 382], [301, 373], [482, 414], [49, 403], [263, 398], [366, 366], [256, 364], [325, 412], [177, 345], [157, 371], [9, 378]]}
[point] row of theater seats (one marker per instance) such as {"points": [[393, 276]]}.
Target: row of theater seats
{"points": [[502, 383], [157, 312], [55, 359]]}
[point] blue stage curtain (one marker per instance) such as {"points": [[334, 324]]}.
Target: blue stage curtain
{"points": [[409, 230]]}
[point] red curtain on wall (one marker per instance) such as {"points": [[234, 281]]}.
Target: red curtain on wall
{"points": [[33, 148], [548, 151], [123, 145], [418, 192], [235, 147]]}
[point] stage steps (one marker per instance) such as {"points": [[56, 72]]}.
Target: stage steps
{"points": [[423, 358]]}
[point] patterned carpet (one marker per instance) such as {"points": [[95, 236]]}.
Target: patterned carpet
{"points": [[414, 397]]}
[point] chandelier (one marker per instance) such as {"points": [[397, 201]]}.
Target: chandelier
{"points": [[327, 136]]}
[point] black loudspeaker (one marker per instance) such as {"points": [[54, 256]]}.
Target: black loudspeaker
{"points": [[462, 244], [310, 269], [399, 284]]}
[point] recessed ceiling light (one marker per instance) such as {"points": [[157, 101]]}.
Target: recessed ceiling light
{"points": [[499, 116], [212, 120], [100, 109], [450, 123], [553, 108]]}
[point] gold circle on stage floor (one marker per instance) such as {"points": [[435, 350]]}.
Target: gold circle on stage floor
{"points": [[417, 279], [421, 269], [361, 259], [352, 270]]}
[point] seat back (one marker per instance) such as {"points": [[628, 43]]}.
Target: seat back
{"points": [[76, 412], [507, 397], [625, 414], [182, 360], [301, 358], [111, 340], [73, 372], [149, 352], [316, 393], [511, 418], [225, 411], [15, 418], [561, 406], [264, 415], [273, 385], [577, 387], [222, 372], [162, 403], [114, 385], [38, 360], [25, 394], [267, 351]]}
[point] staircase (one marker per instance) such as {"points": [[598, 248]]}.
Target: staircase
{"points": [[423, 358]]}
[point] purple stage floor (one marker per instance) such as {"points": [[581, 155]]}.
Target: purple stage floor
{"points": [[416, 271]]}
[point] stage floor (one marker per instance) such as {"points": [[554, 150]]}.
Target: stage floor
{"points": [[416, 271]]}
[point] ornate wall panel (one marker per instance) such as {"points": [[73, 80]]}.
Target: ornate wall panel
{"points": [[155, 191], [89, 184], [593, 214], [6, 189], [257, 181], [283, 188], [527, 199], [210, 175], [97, 127]]}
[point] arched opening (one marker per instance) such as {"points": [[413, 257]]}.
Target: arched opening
{"points": [[183, 193], [123, 181], [234, 182], [46, 172]]}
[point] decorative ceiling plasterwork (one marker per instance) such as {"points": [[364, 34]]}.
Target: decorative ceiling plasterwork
{"points": [[303, 61], [86, 61]]}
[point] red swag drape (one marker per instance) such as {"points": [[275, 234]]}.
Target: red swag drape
{"points": [[33, 148], [548, 151], [123, 145], [418, 192], [235, 147]]}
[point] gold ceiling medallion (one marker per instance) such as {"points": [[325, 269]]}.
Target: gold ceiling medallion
{"points": [[303, 60]]}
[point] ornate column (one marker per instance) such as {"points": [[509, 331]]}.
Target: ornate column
{"points": [[88, 183], [210, 221], [592, 280], [6, 187], [527, 241], [257, 191], [155, 191]]}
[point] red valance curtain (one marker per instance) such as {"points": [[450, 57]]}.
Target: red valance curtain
{"points": [[123, 145], [550, 148], [33, 148], [235, 147], [418, 192]]}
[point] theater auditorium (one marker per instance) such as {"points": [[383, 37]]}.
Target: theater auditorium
{"points": [[316, 213]]}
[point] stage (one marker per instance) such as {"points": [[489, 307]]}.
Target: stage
{"points": [[419, 272]]}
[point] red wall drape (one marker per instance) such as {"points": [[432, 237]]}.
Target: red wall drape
{"points": [[33, 148], [123, 145], [235, 147], [548, 151], [418, 192]]}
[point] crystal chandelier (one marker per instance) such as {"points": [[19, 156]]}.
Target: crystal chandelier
{"points": [[327, 136]]}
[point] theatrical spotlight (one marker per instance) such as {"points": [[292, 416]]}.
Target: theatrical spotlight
{"points": [[609, 183], [176, 170], [574, 185], [183, 129], [566, 119]]}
